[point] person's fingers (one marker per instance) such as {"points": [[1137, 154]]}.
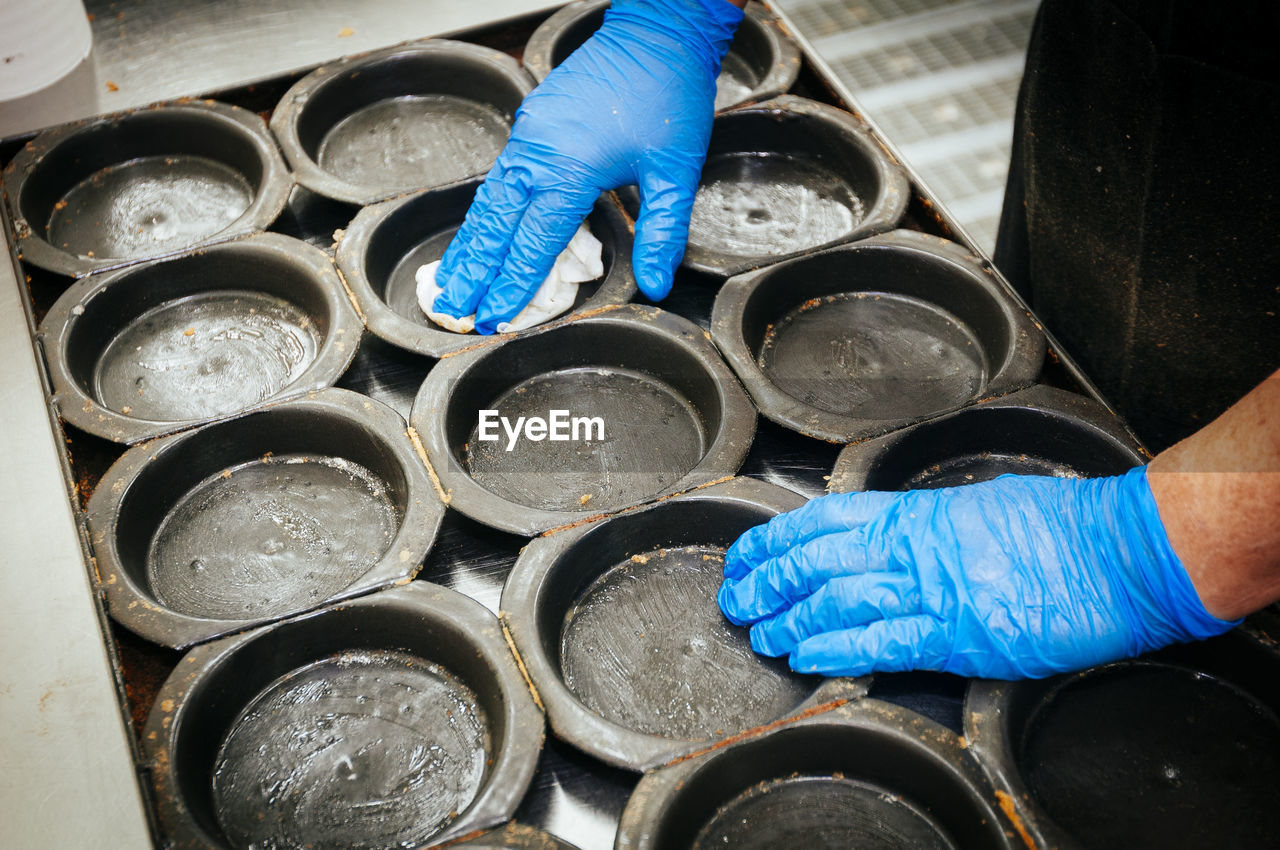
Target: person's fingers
{"points": [[823, 515], [479, 248], [543, 232], [842, 603], [884, 646], [780, 582], [667, 189]]}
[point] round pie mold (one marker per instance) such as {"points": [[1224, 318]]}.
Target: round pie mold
{"points": [[865, 774], [399, 718], [168, 344], [863, 339], [247, 520], [135, 185], [784, 178], [1041, 430], [416, 116], [386, 243], [762, 61], [1177, 748], [617, 624], [647, 408]]}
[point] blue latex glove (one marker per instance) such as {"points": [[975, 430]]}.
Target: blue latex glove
{"points": [[632, 105], [1018, 577]]}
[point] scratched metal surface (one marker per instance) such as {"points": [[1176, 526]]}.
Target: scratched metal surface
{"points": [[149, 50]]}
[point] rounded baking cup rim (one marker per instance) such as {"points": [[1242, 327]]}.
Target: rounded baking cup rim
{"points": [[1059, 411], [136, 608], [78, 407], [994, 726], [438, 607], [288, 112], [522, 609], [659, 792], [269, 199], [1018, 364], [883, 213], [726, 452]]}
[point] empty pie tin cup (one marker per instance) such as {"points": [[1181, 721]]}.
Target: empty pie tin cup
{"points": [[1037, 431], [617, 623], [867, 774], [397, 720], [762, 61], [260, 517], [866, 338], [581, 417], [108, 191], [381, 250], [416, 116], [168, 344], [784, 178], [1180, 748]]}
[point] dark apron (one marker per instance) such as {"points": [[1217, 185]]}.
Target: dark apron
{"points": [[1140, 219]]}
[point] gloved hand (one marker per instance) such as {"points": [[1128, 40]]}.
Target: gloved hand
{"points": [[1023, 576], [631, 105]]}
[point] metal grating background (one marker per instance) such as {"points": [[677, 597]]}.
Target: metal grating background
{"points": [[940, 78]]}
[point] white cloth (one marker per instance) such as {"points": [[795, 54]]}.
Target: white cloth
{"points": [[579, 262]]}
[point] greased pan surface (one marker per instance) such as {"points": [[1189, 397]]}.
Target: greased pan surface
{"points": [[112, 190], [168, 344], [416, 116], [617, 623], [655, 408], [260, 517], [396, 720], [864, 338], [864, 774], [1180, 748]]}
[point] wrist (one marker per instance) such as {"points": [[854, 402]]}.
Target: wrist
{"points": [[1162, 604]]}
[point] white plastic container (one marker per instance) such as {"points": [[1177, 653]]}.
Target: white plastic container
{"points": [[41, 41]]}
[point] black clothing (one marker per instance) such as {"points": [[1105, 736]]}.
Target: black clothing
{"points": [[1139, 220]]}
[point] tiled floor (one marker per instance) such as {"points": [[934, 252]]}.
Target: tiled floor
{"points": [[939, 77]]}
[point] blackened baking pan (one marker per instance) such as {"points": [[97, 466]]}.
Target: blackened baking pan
{"points": [[617, 623], [647, 408], [400, 719], [107, 191], [166, 344], [1176, 749], [865, 338], [386, 243], [784, 178], [259, 517], [761, 63], [867, 774], [416, 116], [1037, 431]]}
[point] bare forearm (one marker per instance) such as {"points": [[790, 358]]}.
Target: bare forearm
{"points": [[1218, 492]]}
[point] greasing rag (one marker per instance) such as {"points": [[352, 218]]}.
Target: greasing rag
{"points": [[579, 262]]}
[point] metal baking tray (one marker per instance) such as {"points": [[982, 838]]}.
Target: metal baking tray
{"points": [[573, 796]]}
